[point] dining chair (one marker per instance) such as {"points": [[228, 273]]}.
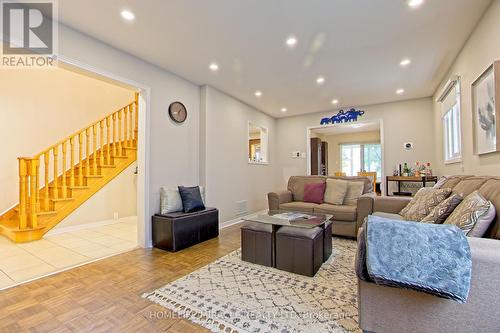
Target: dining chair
{"points": [[372, 175]]}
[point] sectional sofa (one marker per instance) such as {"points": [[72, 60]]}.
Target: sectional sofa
{"points": [[385, 309]]}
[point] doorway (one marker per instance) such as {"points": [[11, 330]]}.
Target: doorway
{"points": [[347, 149]]}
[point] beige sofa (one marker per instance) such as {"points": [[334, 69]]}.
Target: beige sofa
{"points": [[346, 219], [385, 309]]}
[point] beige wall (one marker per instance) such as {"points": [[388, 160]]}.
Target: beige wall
{"points": [[334, 142], [479, 52], [41, 107], [407, 121], [228, 176], [119, 195]]}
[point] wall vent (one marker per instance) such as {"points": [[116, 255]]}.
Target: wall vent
{"points": [[241, 207]]}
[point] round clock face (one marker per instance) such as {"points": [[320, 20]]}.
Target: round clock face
{"points": [[177, 112]]}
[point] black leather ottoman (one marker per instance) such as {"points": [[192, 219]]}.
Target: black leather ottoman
{"points": [[299, 250], [257, 243], [179, 230]]}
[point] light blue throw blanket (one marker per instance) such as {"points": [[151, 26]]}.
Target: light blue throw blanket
{"points": [[432, 258]]}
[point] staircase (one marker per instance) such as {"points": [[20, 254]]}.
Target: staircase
{"points": [[72, 170]]}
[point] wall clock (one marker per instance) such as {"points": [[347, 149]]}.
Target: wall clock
{"points": [[177, 112]]}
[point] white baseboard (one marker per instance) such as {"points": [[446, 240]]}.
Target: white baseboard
{"points": [[72, 228], [237, 220]]}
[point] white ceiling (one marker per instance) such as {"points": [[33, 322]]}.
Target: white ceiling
{"points": [[355, 44], [347, 128]]}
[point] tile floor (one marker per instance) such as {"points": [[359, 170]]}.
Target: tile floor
{"points": [[24, 262]]}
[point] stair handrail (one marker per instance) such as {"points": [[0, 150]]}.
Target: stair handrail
{"points": [[123, 124]]}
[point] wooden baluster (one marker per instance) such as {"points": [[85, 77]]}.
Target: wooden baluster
{"points": [[33, 217], [131, 126], [64, 192], [55, 184], [37, 185], [23, 175], [87, 152], [120, 148], [46, 161], [136, 109], [108, 147], [125, 127], [101, 154], [72, 162], [115, 147], [94, 150], [80, 159]]}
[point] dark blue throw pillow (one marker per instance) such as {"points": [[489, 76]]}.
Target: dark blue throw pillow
{"points": [[191, 199]]}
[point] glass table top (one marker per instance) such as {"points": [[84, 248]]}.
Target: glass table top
{"points": [[287, 218]]}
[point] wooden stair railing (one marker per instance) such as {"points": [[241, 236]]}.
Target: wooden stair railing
{"points": [[62, 173]]}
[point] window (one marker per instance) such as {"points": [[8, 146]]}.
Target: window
{"points": [[450, 108], [257, 144], [361, 158]]}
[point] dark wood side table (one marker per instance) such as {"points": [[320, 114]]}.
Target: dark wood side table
{"points": [[424, 180]]}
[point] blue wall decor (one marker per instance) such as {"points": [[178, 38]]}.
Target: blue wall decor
{"points": [[343, 117]]}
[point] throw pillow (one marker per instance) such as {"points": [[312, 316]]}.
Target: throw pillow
{"points": [[335, 191], [440, 182], [354, 191], [314, 192], [423, 203], [441, 212], [171, 202], [191, 199], [474, 215]]}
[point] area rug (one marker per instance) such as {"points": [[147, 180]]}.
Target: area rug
{"points": [[230, 295]]}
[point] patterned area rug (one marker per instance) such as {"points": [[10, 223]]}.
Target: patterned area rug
{"points": [[230, 295]]}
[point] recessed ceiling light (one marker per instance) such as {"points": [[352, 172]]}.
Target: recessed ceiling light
{"points": [[405, 62], [284, 110], [415, 3], [291, 41], [400, 91], [213, 67], [335, 101], [258, 93], [320, 80], [128, 15]]}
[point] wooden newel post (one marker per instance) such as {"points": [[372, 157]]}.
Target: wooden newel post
{"points": [[23, 195], [33, 192]]}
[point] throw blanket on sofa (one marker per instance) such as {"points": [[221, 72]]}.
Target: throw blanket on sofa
{"points": [[432, 258]]}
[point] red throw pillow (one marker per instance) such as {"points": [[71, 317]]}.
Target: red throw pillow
{"points": [[314, 192]]}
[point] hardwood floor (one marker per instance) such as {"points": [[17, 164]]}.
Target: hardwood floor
{"points": [[105, 296]]}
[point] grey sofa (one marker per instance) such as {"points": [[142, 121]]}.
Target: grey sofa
{"points": [[385, 309], [346, 219]]}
